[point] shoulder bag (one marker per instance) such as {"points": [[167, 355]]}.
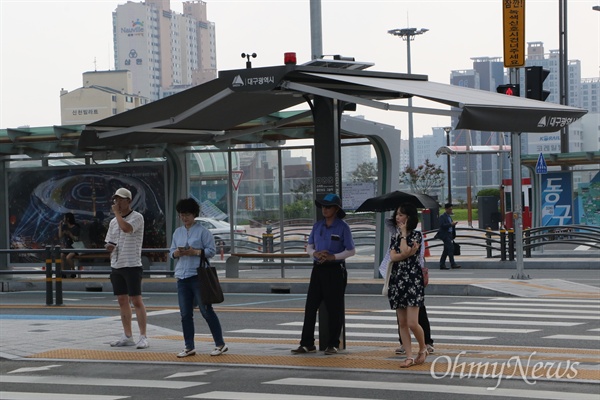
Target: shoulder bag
{"points": [[456, 248], [210, 288]]}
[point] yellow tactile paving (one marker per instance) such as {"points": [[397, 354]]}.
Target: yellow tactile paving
{"points": [[468, 360]]}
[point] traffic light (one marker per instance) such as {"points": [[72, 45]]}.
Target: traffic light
{"points": [[511, 89], [534, 83]]}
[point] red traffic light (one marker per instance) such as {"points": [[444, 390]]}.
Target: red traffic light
{"points": [[509, 89]]}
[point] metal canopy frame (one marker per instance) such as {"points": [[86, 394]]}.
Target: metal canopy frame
{"points": [[238, 104]]}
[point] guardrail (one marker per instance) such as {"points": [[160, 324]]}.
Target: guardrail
{"points": [[497, 244], [53, 268]]}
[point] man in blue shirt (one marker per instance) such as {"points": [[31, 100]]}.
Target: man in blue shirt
{"points": [[329, 244]]}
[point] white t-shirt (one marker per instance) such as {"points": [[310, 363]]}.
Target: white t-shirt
{"points": [[128, 252]]}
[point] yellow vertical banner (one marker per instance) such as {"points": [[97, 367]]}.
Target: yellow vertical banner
{"points": [[513, 21]]}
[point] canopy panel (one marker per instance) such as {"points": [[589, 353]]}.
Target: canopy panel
{"points": [[241, 102]]}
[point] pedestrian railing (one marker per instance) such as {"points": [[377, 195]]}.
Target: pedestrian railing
{"points": [[53, 271]]}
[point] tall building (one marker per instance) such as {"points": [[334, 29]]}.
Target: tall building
{"points": [[479, 171], [550, 143], [165, 51]]}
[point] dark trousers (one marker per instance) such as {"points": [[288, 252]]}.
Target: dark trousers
{"points": [[327, 285], [448, 252], [424, 322]]}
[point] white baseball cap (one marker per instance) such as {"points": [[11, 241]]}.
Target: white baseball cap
{"points": [[122, 192]]}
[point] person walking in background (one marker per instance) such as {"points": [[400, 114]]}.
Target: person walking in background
{"points": [[124, 240], [406, 288], [189, 243], [69, 232], [447, 233], [329, 244]]}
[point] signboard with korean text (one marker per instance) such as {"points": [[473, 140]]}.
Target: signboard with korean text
{"points": [[513, 23], [557, 199]]}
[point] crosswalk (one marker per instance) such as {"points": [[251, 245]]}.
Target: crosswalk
{"points": [[287, 388], [475, 321]]}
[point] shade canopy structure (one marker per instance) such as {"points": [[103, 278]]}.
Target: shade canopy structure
{"points": [[242, 106], [454, 150], [391, 201]]}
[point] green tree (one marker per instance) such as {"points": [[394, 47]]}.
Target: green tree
{"points": [[365, 172], [301, 192], [424, 178]]}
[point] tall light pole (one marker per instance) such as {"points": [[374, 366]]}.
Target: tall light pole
{"points": [[448, 129], [408, 35]]}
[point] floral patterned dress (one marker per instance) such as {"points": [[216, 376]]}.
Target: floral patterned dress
{"points": [[406, 286]]}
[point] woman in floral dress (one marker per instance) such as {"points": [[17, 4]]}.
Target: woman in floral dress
{"points": [[406, 288]]}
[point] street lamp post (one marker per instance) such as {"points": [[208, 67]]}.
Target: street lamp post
{"points": [[408, 35], [448, 129]]}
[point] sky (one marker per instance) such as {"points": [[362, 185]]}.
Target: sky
{"points": [[46, 45]]}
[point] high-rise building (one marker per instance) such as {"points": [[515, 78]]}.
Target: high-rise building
{"points": [[479, 171], [165, 51]]}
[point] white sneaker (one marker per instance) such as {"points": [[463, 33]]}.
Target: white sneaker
{"points": [[142, 343], [124, 341], [186, 353], [219, 350]]}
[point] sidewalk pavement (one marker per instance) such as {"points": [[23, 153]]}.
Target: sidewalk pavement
{"points": [[55, 339]]}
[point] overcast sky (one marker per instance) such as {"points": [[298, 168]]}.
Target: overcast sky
{"points": [[46, 45]]}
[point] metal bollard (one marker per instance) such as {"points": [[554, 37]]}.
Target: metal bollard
{"points": [[488, 242], [511, 245], [527, 243], [49, 293], [58, 263], [502, 244]]}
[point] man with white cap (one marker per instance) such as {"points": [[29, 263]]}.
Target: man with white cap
{"points": [[329, 244], [124, 242]]}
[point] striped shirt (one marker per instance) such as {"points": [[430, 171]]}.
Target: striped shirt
{"points": [[128, 252]]}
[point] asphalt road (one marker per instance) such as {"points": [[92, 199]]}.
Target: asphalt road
{"points": [[535, 329]]}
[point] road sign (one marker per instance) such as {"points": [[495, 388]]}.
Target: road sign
{"points": [[513, 13], [541, 167], [236, 178]]}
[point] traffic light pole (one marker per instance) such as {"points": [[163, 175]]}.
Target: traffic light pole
{"points": [[517, 203]]}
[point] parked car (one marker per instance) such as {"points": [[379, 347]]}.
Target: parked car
{"points": [[220, 231]]}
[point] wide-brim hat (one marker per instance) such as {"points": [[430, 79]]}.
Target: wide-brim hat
{"points": [[122, 192], [332, 199]]}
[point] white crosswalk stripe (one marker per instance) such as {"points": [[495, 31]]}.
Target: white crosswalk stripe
{"points": [[476, 320]]}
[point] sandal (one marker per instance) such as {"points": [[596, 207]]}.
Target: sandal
{"points": [[409, 362], [422, 354]]}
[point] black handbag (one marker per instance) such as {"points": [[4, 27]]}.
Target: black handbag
{"points": [[456, 248], [210, 288]]}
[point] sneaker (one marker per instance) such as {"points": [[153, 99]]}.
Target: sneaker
{"points": [[187, 353], [430, 349], [142, 343], [124, 341], [331, 350], [219, 350], [400, 350], [305, 349]]}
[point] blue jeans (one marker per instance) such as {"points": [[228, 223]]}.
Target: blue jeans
{"points": [[188, 293]]}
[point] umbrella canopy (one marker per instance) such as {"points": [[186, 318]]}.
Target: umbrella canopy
{"points": [[390, 201]]}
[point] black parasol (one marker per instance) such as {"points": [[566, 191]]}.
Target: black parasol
{"points": [[390, 201]]}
